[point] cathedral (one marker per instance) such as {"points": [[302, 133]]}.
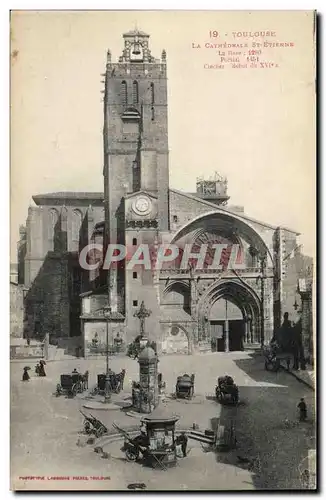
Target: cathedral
{"points": [[189, 309]]}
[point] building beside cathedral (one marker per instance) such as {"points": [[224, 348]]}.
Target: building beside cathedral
{"points": [[219, 309]]}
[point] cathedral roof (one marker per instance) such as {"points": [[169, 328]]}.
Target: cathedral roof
{"points": [[228, 211], [70, 194], [57, 198], [68, 198]]}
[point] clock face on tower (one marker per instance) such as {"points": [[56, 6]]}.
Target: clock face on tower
{"points": [[142, 205]]}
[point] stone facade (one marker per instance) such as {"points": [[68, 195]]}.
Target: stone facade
{"points": [[305, 289], [57, 228], [16, 310], [226, 308]]}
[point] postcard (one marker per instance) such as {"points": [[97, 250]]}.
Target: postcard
{"points": [[163, 241]]}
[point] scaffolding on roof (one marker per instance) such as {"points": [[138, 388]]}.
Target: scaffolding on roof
{"points": [[214, 185]]}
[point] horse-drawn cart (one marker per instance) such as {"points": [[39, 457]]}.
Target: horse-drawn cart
{"points": [[116, 381], [226, 390], [185, 385], [273, 357], [72, 384]]}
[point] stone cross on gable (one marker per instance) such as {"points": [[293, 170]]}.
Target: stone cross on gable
{"points": [[142, 314]]}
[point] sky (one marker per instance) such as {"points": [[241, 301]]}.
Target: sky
{"points": [[256, 126]]}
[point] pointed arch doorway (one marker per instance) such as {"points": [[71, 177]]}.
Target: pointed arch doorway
{"points": [[230, 316], [227, 326]]}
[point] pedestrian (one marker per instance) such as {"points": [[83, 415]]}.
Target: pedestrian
{"points": [[302, 410], [122, 378], [118, 342], [26, 376], [41, 372], [182, 441]]}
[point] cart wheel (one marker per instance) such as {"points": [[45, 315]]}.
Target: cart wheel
{"points": [[276, 365], [58, 392], [100, 431], [79, 387], [74, 390], [132, 454], [87, 427], [269, 365]]}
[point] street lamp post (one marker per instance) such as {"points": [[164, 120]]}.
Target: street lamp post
{"points": [[107, 394]]}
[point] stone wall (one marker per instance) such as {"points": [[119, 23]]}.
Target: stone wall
{"points": [[174, 339], [184, 208], [26, 352], [295, 268], [307, 323], [95, 337], [47, 300], [54, 236], [16, 310]]}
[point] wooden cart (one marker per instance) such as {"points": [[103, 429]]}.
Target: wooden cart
{"points": [[72, 384]]}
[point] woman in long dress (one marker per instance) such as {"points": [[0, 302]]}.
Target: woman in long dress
{"points": [[26, 376], [41, 372]]}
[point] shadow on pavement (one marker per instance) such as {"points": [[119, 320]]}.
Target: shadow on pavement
{"points": [[271, 443], [255, 367]]}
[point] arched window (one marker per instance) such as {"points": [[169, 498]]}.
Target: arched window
{"points": [[76, 224], [53, 217], [135, 93], [124, 93], [152, 93], [53, 213], [64, 219]]}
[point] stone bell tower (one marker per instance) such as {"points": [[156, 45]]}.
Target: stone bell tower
{"points": [[135, 140]]}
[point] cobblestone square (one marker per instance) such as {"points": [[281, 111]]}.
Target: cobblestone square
{"points": [[45, 429]]}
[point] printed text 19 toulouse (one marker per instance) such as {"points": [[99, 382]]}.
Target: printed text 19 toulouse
{"points": [[244, 34]]}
